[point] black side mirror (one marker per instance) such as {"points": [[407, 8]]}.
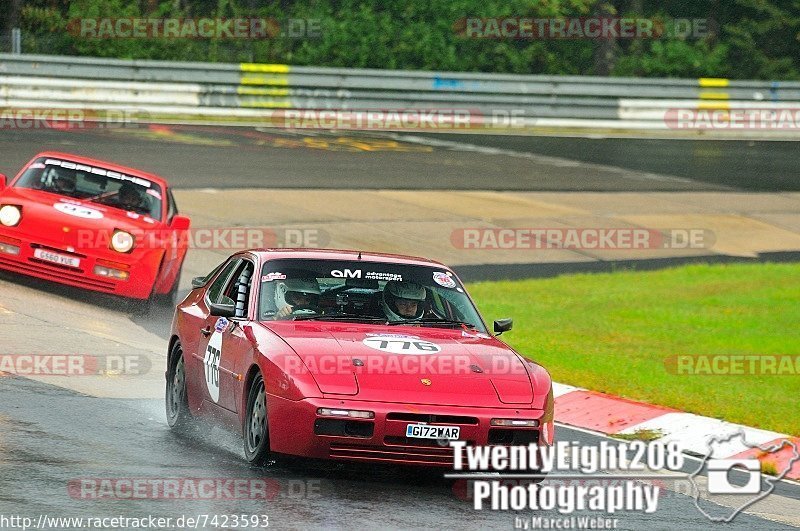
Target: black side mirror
{"points": [[221, 310], [198, 282], [503, 325]]}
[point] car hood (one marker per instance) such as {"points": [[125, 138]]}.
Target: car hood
{"points": [[58, 218], [409, 364]]}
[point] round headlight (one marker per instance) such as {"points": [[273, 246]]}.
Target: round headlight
{"points": [[122, 241], [10, 215]]}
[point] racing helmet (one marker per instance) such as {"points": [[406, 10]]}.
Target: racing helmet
{"points": [[410, 291], [63, 181], [287, 291]]}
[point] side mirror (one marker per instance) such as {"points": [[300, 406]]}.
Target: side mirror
{"points": [[198, 282], [222, 310], [3, 181], [180, 223], [503, 325]]}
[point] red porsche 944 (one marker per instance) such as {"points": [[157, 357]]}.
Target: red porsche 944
{"points": [[93, 225], [349, 356]]}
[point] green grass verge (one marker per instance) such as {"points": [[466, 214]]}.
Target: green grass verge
{"points": [[614, 332]]}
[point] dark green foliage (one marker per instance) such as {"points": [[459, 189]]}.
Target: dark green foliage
{"points": [[744, 39]]}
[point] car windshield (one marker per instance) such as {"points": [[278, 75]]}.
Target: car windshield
{"points": [[361, 291], [97, 185]]}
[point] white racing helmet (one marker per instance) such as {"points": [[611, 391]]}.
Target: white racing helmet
{"points": [[287, 291], [394, 290]]}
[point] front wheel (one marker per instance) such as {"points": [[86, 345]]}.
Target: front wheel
{"points": [[177, 403], [256, 432]]}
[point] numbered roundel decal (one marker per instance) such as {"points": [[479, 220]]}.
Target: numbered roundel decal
{"points": [[78, 211], [211, 364], [444, 279], [400, 345]]}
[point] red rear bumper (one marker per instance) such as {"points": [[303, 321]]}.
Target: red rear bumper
{"points": [[295, 430]]}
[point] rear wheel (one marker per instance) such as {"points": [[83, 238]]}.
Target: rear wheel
{"points": [[177, 403], [256, 431]]}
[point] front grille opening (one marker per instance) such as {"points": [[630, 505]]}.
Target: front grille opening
{"points": [[344, 428], [409, 441], [432, 419], [513, 437]]}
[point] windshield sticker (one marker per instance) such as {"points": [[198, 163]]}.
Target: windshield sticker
{"points": [[369, 275], [273, 276], [79, 211], [372, 275], [98, 171], [444, 279], [37, 166], [396, 345]]}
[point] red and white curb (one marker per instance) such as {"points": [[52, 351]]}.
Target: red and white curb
{"points": [[613, 415]]}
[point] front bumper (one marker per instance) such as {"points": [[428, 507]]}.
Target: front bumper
{"points": [[142, 267], [294, 429]]}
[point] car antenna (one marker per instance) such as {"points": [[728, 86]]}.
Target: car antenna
{"points": [[359, 255]]}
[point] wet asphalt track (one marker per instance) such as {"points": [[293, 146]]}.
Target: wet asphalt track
{"points": [[198, 157], [50, 436]]}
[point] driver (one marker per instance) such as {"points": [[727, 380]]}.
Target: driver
{"points": [[130, 199], [297, 294], [63, 182], [403, 301]]}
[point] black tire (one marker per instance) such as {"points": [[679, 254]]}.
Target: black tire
{"points": [[179, 417], [256, 428], [169, 299]]}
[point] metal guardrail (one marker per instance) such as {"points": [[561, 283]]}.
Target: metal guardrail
{"points": [[253, 90]]}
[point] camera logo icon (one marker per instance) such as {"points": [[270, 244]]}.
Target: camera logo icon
{"points": [[719, 471], [725, 475]]}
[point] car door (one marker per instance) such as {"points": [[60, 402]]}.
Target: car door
{"points": [[225, 342]]}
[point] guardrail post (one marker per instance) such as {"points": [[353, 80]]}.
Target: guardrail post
{"points": [[16, 41]]}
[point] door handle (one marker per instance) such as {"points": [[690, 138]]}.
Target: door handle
{"points": [[206, 331]]}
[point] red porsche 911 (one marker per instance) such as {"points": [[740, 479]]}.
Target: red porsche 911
{"points": [[94, 225], [349, 356]]}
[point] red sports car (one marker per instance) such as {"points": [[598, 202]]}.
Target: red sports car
{"points": [[352, 356], [93, 225]]}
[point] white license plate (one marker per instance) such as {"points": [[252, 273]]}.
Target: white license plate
{"points": [[56, 258], [424, 431]]}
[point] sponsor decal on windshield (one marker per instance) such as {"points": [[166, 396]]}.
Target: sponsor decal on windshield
{"points": [[98, 171], [369, 275], [273, 276]]}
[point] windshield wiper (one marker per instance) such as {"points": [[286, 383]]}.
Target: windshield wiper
{"points": [[340, 317], [435, 321]]}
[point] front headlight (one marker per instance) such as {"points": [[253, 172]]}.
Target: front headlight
{"points": [[122, 241], [10, 215]]}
